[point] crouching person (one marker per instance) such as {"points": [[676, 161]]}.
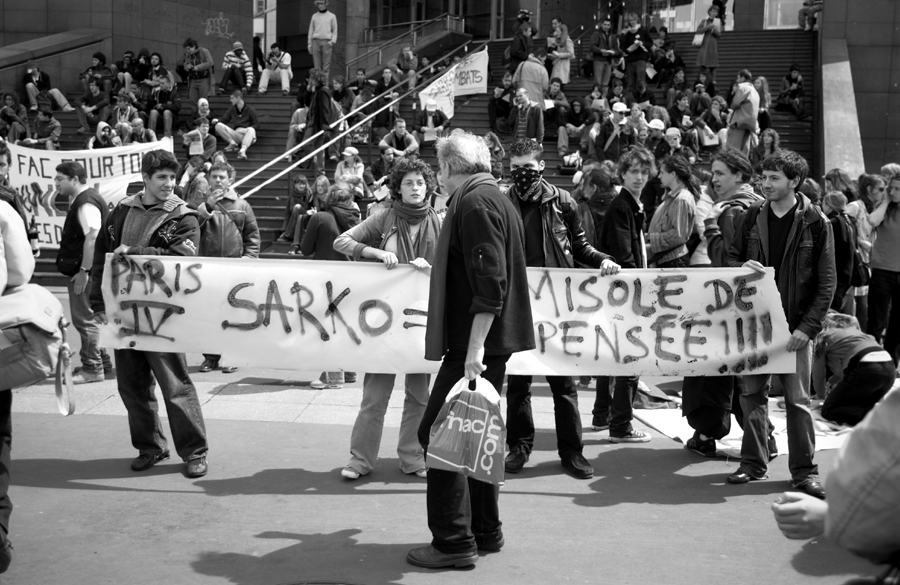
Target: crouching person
{"points": [[154, 222]]}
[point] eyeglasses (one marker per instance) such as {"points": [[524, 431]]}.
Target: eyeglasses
{"points": [[410, 184]]}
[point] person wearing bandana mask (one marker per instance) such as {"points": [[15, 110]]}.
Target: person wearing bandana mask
{"points": [[554, 238]]}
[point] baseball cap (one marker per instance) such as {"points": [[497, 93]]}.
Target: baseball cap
{"points": [[657, 124], [237, 46], [673, 132], [350, 151]]}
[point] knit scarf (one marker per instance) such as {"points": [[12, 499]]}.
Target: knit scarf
{"points": [[345, 215], [424, 243]]}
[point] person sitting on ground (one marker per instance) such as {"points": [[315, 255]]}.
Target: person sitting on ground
{"points": [[13, 119], [680, 117], [790, 99], [634, 121], [164, 104], [407, 65], [352, 164], [769, 142], [596, 98], [500, 102], [532, 76], [236, 68], [667, 69], [238, 125], [93, 107], [656, 141], [99, 72], [344, 96], [203, 111], [278, 64], [47, 131], [384, 120], [124, 71], [199, 141], [806, 17], [430, 122], [361, 81], [404, 233], [158, 72], [555, 114], [572, 126], [228, 229], [105, 137], [122, 115], [37, 83], [377, 171], [296, 129], [298, 203], [618, 94], [677, 85], [713, 123], [139, 133], [673, 140], [613, 141], [400, 141]]}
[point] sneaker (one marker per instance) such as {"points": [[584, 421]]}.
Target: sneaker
{"points": [[294, 251], [145, 461], [285, 92], [33, 108], [88, 377], [242, 155], [209, 364], [68, 108], [423, 473], [702, 447], [634, 436], [231, 147], [350, 473], [229, 369], [349, 378], [197, 467], [320, 385], [83, 130]]}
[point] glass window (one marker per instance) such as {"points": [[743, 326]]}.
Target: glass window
{"points": [[782, 13]]}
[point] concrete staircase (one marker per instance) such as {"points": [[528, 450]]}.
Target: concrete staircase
{"points": [[767, 53]]}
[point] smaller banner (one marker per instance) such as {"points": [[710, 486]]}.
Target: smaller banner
{"points": [[467, 77], [109, 171]]}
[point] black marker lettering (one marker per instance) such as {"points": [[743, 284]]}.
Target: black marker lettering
{"points": [[364, 326], [689, 339], [664, 322], [662, 294], [566, 338], [719, 285], [304, 314], [630, 336], [582, 288], [636, 302]]}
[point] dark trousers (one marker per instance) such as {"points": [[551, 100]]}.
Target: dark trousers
{"points": [[138, 372], [233, 74], [5, 457], [613, 403], [519, 421], [854, 396], [497, 109], [461, 511], [884, 310], [715, 421]]}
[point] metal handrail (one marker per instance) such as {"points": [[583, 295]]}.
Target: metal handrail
{"points": [[380, 50], [415, 89]]}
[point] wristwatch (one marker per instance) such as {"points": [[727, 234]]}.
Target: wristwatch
{"points": [[85, 270]]}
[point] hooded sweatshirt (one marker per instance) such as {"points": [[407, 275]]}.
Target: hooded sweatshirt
{"points": [[101, 141]]}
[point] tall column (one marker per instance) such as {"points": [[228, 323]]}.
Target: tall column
{"points": [[357, 21]]}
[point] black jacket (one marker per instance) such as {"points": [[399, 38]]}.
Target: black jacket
{"points": [[601, 41], [844, 247], [621, 233], [565, 242], [518, 51], [807, 279]]}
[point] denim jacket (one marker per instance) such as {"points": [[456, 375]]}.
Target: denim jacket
{"points": [[808, 277]]}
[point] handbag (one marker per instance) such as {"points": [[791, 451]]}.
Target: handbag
{"points": [[698, 39], [861, 274], [33, 344], [468, 436]]}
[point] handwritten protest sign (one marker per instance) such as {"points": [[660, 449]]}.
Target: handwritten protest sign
{"points": [[360, 316], [467, 77], [109, 171]]}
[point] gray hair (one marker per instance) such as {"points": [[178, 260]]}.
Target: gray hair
{"points": [[464, 153]]}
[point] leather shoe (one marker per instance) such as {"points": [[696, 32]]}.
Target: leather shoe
{"points": [[741, 476], [490, 546], [578, 466], [772, 447], [145, 461], [811, 485], [516, 460], [431, 558], [197, 467]]}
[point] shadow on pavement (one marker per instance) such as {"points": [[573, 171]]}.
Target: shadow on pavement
{"points": [[74, 474], [809, 561], [335, 557]]}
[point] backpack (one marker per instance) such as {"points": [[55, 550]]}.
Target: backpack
{"points": [[861, 275], [571, 164], [33, 327]]}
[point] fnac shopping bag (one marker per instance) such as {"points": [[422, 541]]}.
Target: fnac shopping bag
{"points": [[469, 436]]}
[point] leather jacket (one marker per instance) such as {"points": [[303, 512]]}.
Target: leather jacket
{"points": [[565, 242], [808, 278], [229, 230]]}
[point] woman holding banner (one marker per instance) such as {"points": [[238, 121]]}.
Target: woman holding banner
{"points": [[404, 233]]}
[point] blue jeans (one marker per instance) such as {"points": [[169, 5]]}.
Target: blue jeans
{"points": [[365, 441], [602, 73], [83, 320], [461, 511], [614, 403], [884, 310], [138, 372], [800, 430], [520, 423]]}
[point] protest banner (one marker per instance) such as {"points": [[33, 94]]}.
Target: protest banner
{"points": [[359, 316], [467, 77], [109, 171]]}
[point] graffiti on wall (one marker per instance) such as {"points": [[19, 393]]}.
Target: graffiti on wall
{"points": [[218, 26]]}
